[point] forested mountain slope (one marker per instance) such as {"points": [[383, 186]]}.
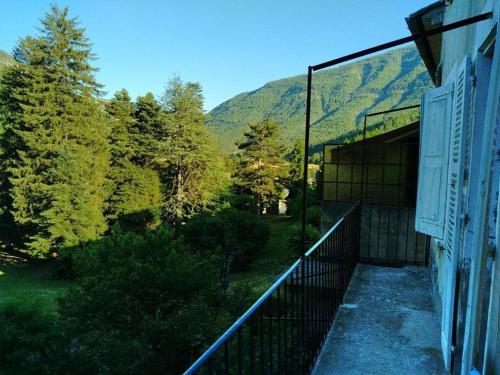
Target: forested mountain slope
{"points": [[5, 58], [340, 98]]}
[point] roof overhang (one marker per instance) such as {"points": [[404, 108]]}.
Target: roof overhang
{"points": [[426, 19]]}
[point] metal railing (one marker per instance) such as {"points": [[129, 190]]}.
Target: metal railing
{"points": [[283, 331]]}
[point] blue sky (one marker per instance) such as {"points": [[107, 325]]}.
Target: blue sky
{"points": [[229, 46]]}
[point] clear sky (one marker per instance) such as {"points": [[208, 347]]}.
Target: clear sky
{"points": [[229, 46]]}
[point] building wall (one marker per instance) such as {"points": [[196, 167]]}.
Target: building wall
{"points": [[492, 365], [458, 42], [456, 45]]}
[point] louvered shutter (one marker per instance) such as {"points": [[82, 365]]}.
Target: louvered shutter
{"points": [[432, 173], [454, 207]]}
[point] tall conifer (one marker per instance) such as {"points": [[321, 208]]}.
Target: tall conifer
{"points": [[56, 140], [260, 167], [149, 118], [189, 165], [135, 199]]}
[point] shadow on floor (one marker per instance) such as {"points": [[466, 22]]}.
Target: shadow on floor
{"points": [[387, 325]]}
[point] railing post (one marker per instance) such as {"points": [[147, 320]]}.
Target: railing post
{"points": [[306, 151], [304, 218], [255, 343]]}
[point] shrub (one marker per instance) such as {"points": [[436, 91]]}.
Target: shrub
{"points": [[314, 216], [295, 202], [230, 233], [141, 305], [30, 338], [295, 236]]}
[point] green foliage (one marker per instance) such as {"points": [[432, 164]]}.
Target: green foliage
{"points": [[55, 155], [135, 200], [150, 300], [30, 339], [189, 165], [295, 236], [314, 216], [236, 237], [295, 203], [341, 96], [149, 119], [141, 304], [260, 169], [296, 167]]}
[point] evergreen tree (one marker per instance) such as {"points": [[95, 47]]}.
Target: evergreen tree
{"points": [[56, 157], [189, 165], [9, 236], [260, 170], [135, 199], [296, 167], [149, 118]]}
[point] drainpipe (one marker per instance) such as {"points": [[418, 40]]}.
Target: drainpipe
{"points": [[479, 246]]}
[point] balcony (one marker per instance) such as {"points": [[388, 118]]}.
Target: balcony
{"points": [[386, 325], [330, 313]]}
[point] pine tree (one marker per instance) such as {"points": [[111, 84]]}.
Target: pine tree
{"points": [[260, 169], [136, 198], [187, 160], [296, 167], [9, 236], [57, 155], [149, 118]]}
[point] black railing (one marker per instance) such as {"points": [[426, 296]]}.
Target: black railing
{"points": [[282, 333], [383, 174]]}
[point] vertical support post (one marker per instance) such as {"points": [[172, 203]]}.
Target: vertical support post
{"points": [[363, 159], [306, 151], [362, 198]]}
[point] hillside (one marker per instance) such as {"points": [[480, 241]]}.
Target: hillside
{"points": [[340, 98], [5, 58]]}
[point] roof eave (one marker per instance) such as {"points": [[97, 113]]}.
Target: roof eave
{"points": [[428, 49]]}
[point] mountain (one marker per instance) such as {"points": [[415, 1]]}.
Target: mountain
{"points": [[5, 58], [340, 97]]}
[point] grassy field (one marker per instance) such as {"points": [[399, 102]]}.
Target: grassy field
{"points": [[29, 282], [36, 282], [273, 260]]}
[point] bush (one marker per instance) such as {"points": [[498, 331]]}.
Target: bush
{"points": [[295, 236], [295, 202], [229, 232], [30, 339], [314, 216], [142, 304]]}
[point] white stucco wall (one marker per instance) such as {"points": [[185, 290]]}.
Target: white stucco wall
{"points": [[457, 43]]}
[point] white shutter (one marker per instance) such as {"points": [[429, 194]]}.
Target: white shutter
{"points": [[454, 206], [432, 173]]}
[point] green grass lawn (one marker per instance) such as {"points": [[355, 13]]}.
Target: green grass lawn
{"points": [[29, 283], [35, 282], [273, 260]]}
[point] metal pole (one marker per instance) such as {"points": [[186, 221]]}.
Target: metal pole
{"points": [[306, 151], [363, 159], [361, 198], [304, 215], [408, 39]]}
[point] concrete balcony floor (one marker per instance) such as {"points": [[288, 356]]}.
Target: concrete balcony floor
{"points": [[387, 325]]}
